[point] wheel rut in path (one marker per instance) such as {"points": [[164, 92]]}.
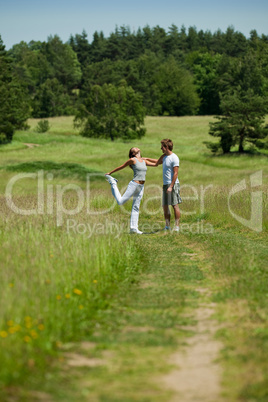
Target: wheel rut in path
{"points": [[197, 376]]}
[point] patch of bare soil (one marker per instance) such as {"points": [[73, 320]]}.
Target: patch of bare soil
{"points": [[78, 360], [83, 358], [29, 145], [197, 376], [41, 396]]}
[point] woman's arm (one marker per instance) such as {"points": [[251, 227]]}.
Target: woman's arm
{"points": [[154, 162], [151, 163], [127, 163], [150, 160]]}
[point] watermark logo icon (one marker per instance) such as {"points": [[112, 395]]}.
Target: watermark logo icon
{"points": [[255, 221]]}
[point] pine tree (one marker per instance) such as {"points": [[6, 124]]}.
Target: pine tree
{"points": [[14, 103], [242, 121]]}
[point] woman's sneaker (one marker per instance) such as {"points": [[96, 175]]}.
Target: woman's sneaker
{"points": [[176, 229], [111, 179], [137, 231]]}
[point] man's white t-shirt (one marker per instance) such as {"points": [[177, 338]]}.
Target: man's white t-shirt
{"points": [[169, 162]]}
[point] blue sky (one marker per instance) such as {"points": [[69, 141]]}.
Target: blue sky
{"points": [[25, 20]]}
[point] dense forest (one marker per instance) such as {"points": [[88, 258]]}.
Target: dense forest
{"points": [[176, 72]]}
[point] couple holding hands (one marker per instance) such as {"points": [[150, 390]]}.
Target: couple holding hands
{"points": [[135, 189]]}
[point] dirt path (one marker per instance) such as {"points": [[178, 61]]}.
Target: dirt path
{"points": [[197, 376], [30, 145], [156, 341]]}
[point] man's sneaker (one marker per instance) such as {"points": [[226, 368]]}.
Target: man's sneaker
{"points": [[176, 229], [137, 231], [111, 179], [167, 228]]}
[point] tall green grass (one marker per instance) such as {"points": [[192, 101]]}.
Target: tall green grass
{"points": [[53, 288]]}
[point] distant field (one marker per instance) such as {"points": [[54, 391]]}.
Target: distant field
{"points": [[55, 282]]}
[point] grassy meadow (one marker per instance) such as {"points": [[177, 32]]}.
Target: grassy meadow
{"points": [[73, 276]]}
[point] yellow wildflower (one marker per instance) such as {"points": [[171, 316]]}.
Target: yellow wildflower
{"points": [[27, 339], [12, 330], [81, 307], [3, 334], [10, 323], [58, 297], [11, 285], [95, 281], [77, 291], [34, 334], [67, 295], [41, 327]]}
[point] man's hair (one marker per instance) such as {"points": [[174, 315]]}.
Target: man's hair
{"points": [[167, 143]]}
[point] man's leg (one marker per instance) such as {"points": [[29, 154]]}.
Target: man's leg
{"points": [[167, 215], [177, 214]]}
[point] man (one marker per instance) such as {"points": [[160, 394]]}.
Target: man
{"points": [[171, 185]]}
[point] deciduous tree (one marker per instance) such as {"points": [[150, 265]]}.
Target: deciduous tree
{"points": [[177, 93], [51, 99], [111, 112]]}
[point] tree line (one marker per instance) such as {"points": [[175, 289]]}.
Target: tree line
{"points": [[173, 73]]}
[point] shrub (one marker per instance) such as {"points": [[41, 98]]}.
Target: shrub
{"points": [[43, 126]]}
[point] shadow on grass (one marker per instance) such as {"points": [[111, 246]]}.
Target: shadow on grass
{"points": [[155, 231], [64, 169], [247, 152]]}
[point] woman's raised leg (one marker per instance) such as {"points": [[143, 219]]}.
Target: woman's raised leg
{"points": [[121, 199]]}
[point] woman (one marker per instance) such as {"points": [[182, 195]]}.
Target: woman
{"points": [[135, 187]]}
